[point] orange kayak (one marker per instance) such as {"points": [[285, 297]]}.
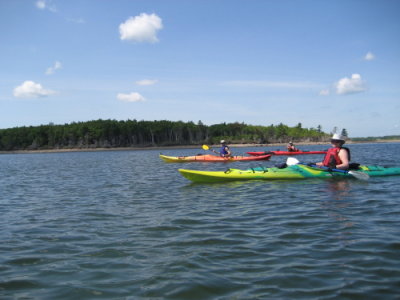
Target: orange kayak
{"points": [[212, 158]]}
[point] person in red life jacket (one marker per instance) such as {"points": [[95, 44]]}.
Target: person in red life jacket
{"points": [[337, 157], [224, 150], [291, 148]]}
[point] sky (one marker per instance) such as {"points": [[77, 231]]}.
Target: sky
{"points": [[319, 63]]}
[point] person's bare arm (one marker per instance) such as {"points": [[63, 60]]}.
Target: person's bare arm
{"points": [[344, 157]]}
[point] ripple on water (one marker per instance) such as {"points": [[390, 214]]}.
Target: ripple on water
{"points": [[124, 225]]}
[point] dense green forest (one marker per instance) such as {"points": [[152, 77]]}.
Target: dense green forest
{"points": [[133, 133]]}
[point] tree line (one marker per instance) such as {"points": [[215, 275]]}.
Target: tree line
{"points": [[133, 133], [375, 138]]}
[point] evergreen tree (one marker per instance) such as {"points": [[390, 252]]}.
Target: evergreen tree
{"points": [[133, 133]]}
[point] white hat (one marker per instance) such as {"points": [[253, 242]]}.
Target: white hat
{"points": [[337, 137], [222, 141]]}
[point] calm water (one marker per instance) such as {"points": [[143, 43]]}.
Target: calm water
{"points": [[125, 225]]}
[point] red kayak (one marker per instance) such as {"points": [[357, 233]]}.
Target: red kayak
{"points": [[285, 152], [213, 158]]}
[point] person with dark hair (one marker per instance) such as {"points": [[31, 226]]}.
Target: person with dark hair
{"points": [[291, 148]]}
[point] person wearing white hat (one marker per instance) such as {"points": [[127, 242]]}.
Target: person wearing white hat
{"points": [[291, 148], [337, 157], [224, 151]]}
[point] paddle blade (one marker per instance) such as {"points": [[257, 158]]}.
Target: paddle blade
{"points": [[291, 161], [359, 175], [205, 147]]}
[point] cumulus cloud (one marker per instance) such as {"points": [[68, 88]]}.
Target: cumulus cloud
{"points": [[30, 89], [132, 97], [142, 28], [57, 65], [350, 85], [369, 56], [46, 4], [146, 82]]}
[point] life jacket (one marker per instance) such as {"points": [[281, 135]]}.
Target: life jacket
{"points": [[332, 158], [292, 149], [224, 151]]}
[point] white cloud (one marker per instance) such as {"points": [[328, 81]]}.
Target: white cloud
{"points": [[51, 70], [132, 97], [142, 28], [146, 82], [30, 89], [324, 92], [369, 56], [46, 4], [350, 85], [41, 4]]}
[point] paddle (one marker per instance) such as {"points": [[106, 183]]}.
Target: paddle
{"points": [[205, 147], [359, 175]]}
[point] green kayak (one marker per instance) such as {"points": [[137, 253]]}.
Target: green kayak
{"points": [[290, 172]]}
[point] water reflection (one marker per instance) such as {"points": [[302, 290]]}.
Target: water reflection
{"points": [[337, 206], [339, 189], [256, 182]]}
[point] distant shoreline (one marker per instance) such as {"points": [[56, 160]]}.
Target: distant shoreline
{"points": [[182, 147]]}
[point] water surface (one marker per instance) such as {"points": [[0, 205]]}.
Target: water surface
{"points": [[125, 225]]}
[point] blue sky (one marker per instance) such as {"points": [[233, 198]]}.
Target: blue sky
{"points": [[328, 63]]}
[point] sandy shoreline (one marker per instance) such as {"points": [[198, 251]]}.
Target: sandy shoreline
{"points": [[179, 147]]}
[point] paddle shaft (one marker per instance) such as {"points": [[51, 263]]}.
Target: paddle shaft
{"points": [[355, 174], [205, 147], [211, 149], [291, 161], [294, 161], [330, 169]]}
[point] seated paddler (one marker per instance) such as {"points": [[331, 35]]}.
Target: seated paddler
{"points": [[224, 150], [291, 148], [337, 157]]}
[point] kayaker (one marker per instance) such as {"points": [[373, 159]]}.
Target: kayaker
{"points": [[224, 151], [337, 157], [291, 148]]}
